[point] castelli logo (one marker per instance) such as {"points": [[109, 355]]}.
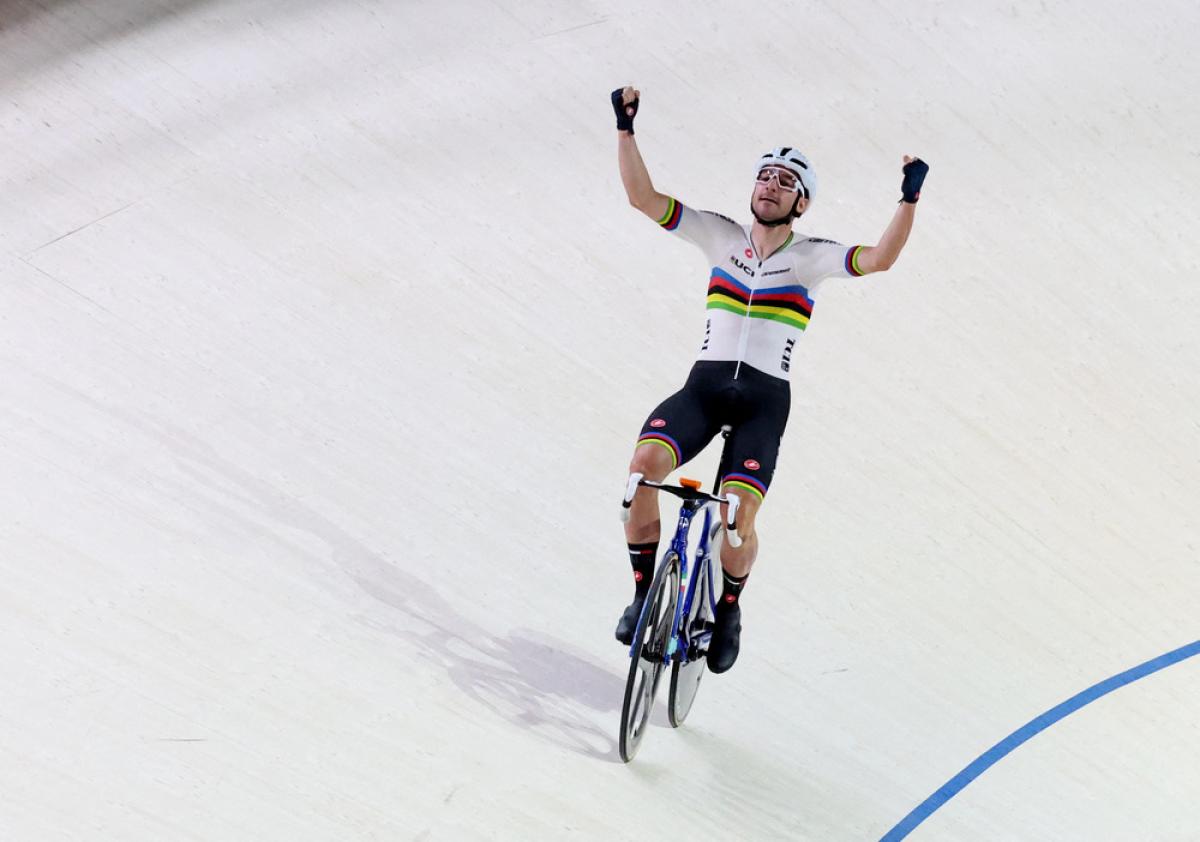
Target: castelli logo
{"points": [[658, 423], [749, 253], [637, 575], [730, 598], [751, 465]]}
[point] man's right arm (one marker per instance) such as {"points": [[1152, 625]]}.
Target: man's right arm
{"points": [[634, 176]]}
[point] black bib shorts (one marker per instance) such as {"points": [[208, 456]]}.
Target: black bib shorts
{"points": [[754, 404]]}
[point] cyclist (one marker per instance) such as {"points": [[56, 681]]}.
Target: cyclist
{"points": [[761, 286]]}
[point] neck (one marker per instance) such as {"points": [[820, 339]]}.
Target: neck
{"points": [[767, 239]]}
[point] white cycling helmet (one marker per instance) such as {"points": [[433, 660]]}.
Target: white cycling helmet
{"points": [[793, 160]]}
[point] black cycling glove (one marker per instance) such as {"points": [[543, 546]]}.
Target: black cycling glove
{"points": [[914, 177], [624, 119]]}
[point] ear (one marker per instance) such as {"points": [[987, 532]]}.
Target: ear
{"points": [[801, 205]]}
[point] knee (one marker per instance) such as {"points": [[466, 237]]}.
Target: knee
{"points": [[652, 461], [748, 505]]}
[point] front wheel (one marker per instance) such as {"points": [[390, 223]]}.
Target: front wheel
{"points": [[687, 671], [649, 655]]}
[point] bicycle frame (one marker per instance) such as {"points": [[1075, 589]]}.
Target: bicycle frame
{"points": [[694, 502], [672, 624], [689, 585]]}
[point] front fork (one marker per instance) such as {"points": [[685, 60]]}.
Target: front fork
{"points": [[679, 547]]}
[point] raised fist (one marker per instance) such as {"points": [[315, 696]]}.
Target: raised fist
{"points": [[625, 106], [914, 176]]}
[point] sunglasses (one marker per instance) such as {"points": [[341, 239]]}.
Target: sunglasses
{"points": [[786, 179]]}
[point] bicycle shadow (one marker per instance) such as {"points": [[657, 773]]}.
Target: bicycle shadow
{"points": [[534, 681], [530, 679]]}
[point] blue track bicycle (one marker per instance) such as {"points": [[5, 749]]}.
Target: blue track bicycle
{"points": [[676, 621]]}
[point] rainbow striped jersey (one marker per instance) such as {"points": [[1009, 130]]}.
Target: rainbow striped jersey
{"points": [[758, 305]]}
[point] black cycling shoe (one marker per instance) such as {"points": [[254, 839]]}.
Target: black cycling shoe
{"points": [[726, 637], [627, 625]]}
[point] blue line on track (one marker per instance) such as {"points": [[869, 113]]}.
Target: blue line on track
{"points": [[978, 766]]}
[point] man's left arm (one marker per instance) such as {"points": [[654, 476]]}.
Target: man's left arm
{"points": [[880, 257]]}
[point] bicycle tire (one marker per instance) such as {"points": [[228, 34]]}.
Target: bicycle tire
{"points": [[685, 677], [646, 663]]}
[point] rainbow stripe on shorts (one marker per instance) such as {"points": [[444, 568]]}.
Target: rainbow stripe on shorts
{"points": [[663, 440], [744, 481]]}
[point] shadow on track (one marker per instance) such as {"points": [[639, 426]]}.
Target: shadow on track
{"points": [[534, 681]]}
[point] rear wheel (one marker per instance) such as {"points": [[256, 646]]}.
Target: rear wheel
{"points": [[685, 676], [649, 655]]}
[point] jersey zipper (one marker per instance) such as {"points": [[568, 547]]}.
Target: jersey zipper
{"points": [[744, 337]]}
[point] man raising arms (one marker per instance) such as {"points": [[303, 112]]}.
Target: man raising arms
{"points": [[762, 282]]}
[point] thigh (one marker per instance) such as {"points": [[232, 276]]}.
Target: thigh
{"points": [[753, 446], [683, 424]]}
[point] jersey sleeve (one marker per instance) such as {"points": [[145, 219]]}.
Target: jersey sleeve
{"points": [[817, 258], [705, 229]]}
